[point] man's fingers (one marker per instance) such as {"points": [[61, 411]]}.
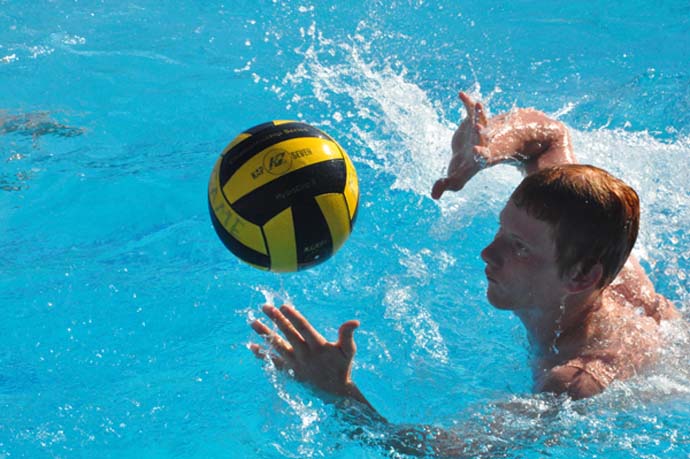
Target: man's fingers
{"points": [[445, 184], [264, 354], [302, 325], [262, 329], [480, 116], [469, 105], [278, 343], [466, 100], [258, 351], [438, 188], [346, 339], [285, 326]]}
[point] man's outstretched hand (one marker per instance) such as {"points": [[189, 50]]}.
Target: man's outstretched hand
{"points": [[468, 149], [526, 137], [312, 358]]}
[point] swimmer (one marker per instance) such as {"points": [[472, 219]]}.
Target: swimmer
{"points": [[560, 262]]}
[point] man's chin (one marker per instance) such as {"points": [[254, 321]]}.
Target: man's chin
{"points": [[496, 300]]}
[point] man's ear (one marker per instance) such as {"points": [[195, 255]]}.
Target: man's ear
{"points": [[580, 280]]}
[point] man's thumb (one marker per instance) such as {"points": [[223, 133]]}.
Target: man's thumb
{"points": [[346, 338]]}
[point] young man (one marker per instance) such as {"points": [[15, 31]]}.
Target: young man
{"points": [[560, 261]]}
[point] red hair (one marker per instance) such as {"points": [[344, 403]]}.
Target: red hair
{"points": [[594, 215]]}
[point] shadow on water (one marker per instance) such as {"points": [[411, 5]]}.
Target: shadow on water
{"points": [[33, 125], [36, 124]]}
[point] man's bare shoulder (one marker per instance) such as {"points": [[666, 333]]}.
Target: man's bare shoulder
{"points": [[616, 342], [633, 287]]}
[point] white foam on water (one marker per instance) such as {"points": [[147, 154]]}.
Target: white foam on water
{"points": [[409, 131], [413, 321], [309, 415]]}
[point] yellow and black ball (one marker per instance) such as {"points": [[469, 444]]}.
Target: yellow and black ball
{"points": [[283, 196]]}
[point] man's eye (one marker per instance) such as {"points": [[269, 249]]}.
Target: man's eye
{"points": [[520, 249]]}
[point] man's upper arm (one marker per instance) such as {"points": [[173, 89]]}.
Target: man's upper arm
{"points": [[633, 284], [571, 380]]}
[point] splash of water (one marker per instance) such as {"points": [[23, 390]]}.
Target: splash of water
{"points": [[401, 132], [410, 317], [391, 120]]}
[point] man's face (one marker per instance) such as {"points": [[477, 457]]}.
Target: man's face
{"points": [[521, 263]]}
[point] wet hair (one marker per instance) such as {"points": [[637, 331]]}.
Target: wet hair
{"points": [[594, 216]]}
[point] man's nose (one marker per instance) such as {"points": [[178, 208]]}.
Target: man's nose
{"points": [[491, 255]]}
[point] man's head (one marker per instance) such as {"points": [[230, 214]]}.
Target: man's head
{"points": [[565, 230], [594, 216]]}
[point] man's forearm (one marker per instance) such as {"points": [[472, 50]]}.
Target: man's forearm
{"points": [[529, 137]]}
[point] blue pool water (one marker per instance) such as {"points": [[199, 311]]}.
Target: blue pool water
{"points": [[125, 321]]}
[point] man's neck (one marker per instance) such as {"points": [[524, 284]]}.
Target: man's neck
{"points": [[551, 328]]}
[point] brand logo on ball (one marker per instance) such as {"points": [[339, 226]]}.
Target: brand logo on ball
{"points": [[277, 162]]}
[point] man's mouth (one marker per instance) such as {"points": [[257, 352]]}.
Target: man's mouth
{"points": [[489, 276]]}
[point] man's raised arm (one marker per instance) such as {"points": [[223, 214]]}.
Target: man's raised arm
{"points": [[525, 136]]}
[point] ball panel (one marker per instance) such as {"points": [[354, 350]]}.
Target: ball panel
{"points": [[240, 250], [263, 137], [279, 122], [336, 214], [234, 142], [351, 190], [312, 236], [230, 221], [320, 178], [279, 159], [280, 237], [260, 127]]}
